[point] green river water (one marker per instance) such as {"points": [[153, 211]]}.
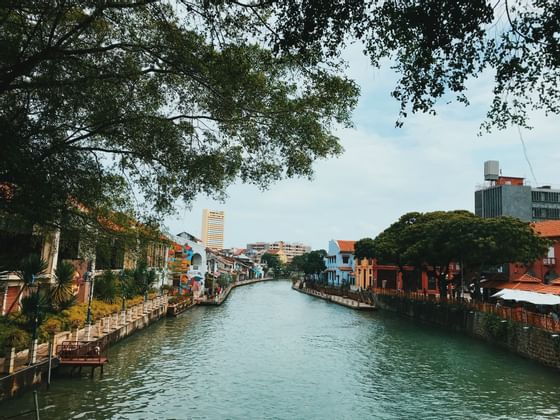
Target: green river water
{"points": [[272, 353]]}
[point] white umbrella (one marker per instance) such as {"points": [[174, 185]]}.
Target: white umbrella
{"points": [[531, 297]]}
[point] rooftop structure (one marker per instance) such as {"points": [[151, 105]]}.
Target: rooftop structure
{"points": [[513, 196]]}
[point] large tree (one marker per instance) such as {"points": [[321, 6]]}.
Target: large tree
{"points": [[312, 263], [436, 46], [434, 240], [273, 263], [102, 101], [365, 248]]}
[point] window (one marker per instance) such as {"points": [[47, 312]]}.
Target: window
{"points": [[69, 245], [345, 259]]}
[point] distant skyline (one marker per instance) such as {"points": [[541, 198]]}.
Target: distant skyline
{"points": [[431, 163]]}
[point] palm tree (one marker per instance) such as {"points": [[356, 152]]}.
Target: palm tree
{"points": [[61, 295], [29, 269], [144, 279]]}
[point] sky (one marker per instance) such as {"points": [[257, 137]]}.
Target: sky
{"points": [[431, 163]]}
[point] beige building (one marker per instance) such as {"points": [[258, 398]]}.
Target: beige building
{"points": [[213, 228], [287, 249]]}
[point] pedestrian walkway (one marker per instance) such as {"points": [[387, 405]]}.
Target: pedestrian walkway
{"points": [[341, 300], [101, 328]]}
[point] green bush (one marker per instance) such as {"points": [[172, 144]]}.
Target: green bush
{"points": [[496, 327], [12, 336], [106, 287]]}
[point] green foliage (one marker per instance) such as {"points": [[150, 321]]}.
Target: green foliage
{"points": [[99, 97], [61, 294], [31, 267], [365, 248], [12, 336], [143, 278], [34, 308], [273, 263], [224, 280], [437, 46], [439, 238], [309, 263], [106, 287], [495, 327]]}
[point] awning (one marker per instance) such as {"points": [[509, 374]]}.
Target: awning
{"points": [[531, 297], [528, 287]]}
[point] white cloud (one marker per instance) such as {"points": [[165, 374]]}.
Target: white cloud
{"points": [[433, 162]]}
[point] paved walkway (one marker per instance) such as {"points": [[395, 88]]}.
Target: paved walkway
{"points": [[344, 301], [102, 327]]}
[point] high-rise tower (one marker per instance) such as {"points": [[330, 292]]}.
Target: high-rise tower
{"points": [[213, 228]]}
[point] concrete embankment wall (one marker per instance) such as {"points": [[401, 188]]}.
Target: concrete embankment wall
{"points": [[136, 318], [527, 341]]}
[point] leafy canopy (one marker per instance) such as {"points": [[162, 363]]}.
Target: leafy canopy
{"points": [[130, 106], [438, 238], [312, 262], [436, 46]]}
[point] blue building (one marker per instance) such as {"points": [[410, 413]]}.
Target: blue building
{"points": [[340, 262]]}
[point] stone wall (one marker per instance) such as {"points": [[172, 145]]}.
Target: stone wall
{"points": [[527, 341], [137, 318], [25, 379]]}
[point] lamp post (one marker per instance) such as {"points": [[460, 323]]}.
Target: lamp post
{"points": [[34, 287], [89, 277], [123, 296], [163, 274]]}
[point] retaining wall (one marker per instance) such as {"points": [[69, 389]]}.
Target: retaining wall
{"points": [[108, 333], [527, 341]]}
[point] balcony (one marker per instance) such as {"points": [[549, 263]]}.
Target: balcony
{"points": [[549, 261]]}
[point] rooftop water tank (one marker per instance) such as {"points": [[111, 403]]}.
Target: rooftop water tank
{"points": [[491, 170]]}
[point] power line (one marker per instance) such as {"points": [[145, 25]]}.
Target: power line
{"points": [[527, 156]]}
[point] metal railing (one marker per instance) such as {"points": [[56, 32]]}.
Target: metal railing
{"points": [[79, 350], [520, 315]]}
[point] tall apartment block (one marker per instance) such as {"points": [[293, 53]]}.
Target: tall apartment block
{"points": [[213, 228], [512, 196], [290, 250]]}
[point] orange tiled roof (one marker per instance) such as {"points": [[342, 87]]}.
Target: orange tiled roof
{"points": [[528, 287], [345, 268], [548, 228], [346, 246], [527, 278]]}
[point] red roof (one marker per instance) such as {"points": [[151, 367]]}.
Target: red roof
{"points": [[527, 278], [529, 287], [548, 228], [346, 246], [345, 268]]}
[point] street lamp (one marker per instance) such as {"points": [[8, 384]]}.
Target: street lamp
{"points": [[123, 291], [89, 277], [34, 288], [163, 274]]}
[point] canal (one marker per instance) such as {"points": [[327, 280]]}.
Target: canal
{"points": [[270, 352]]}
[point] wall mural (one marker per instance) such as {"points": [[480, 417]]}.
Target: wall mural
{"points": [[180, 261]]}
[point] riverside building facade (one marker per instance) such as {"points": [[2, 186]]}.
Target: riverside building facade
{"points": [[290, 250], [512, 196]]}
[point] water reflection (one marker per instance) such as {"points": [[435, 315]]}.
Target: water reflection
{"points": [[270, 352]]}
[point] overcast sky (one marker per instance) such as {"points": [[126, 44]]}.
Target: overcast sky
{"points": [[432, 163]]}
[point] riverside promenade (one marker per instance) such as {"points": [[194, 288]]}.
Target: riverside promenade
{"points": [[20, 376], [340, 300], [219, 299]]}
